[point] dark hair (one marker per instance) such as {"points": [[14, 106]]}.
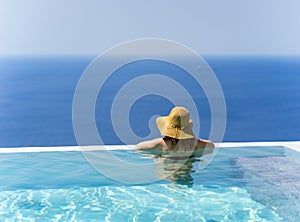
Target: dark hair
{"points": [[174, 141]]}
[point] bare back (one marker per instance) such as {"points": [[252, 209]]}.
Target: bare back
{"points": [[184, 147]]}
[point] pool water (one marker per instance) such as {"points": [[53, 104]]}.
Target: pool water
{"points": [[240, 184], [142, 203]]}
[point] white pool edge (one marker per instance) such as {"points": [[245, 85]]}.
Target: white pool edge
{"points": [[295, 145]]}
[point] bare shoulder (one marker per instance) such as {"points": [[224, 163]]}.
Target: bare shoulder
{"points": [[204, 144], [155, 144]]}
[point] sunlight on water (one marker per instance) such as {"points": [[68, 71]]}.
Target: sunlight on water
{"points": [[240, 184], [137, 203]]}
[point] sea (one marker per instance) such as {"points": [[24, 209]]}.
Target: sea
{"points": [[262, 96]]}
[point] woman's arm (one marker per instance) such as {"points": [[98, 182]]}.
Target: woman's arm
{"points": [[205, 144]]}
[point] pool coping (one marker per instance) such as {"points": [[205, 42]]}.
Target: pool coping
{"points": [[295, 145]]}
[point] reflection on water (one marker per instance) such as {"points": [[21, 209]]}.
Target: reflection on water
{"points": [[176, 170], [177, 166]]}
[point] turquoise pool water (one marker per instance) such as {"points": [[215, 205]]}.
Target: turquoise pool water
{"points": [[240, 184]]}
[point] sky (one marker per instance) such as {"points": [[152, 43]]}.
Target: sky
{"points": [[93, 26]]}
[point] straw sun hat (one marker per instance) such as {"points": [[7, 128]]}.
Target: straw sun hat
{"points": [[177, 125]]}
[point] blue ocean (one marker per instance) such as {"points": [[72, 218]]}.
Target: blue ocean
{"points": [[262, 95]]}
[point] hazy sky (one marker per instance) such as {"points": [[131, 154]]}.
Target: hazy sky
{"points": [[92, 26]]}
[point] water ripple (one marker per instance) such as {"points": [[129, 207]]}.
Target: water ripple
{"points": [[138, 203]]}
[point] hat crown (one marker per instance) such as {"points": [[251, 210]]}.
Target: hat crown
{"points": [[177, 124], [179, 117]]}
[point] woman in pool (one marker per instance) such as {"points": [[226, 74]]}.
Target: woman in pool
{"points": [[178, 138]]}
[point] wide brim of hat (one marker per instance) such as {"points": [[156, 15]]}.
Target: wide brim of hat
{"points": [[166, 129]]}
